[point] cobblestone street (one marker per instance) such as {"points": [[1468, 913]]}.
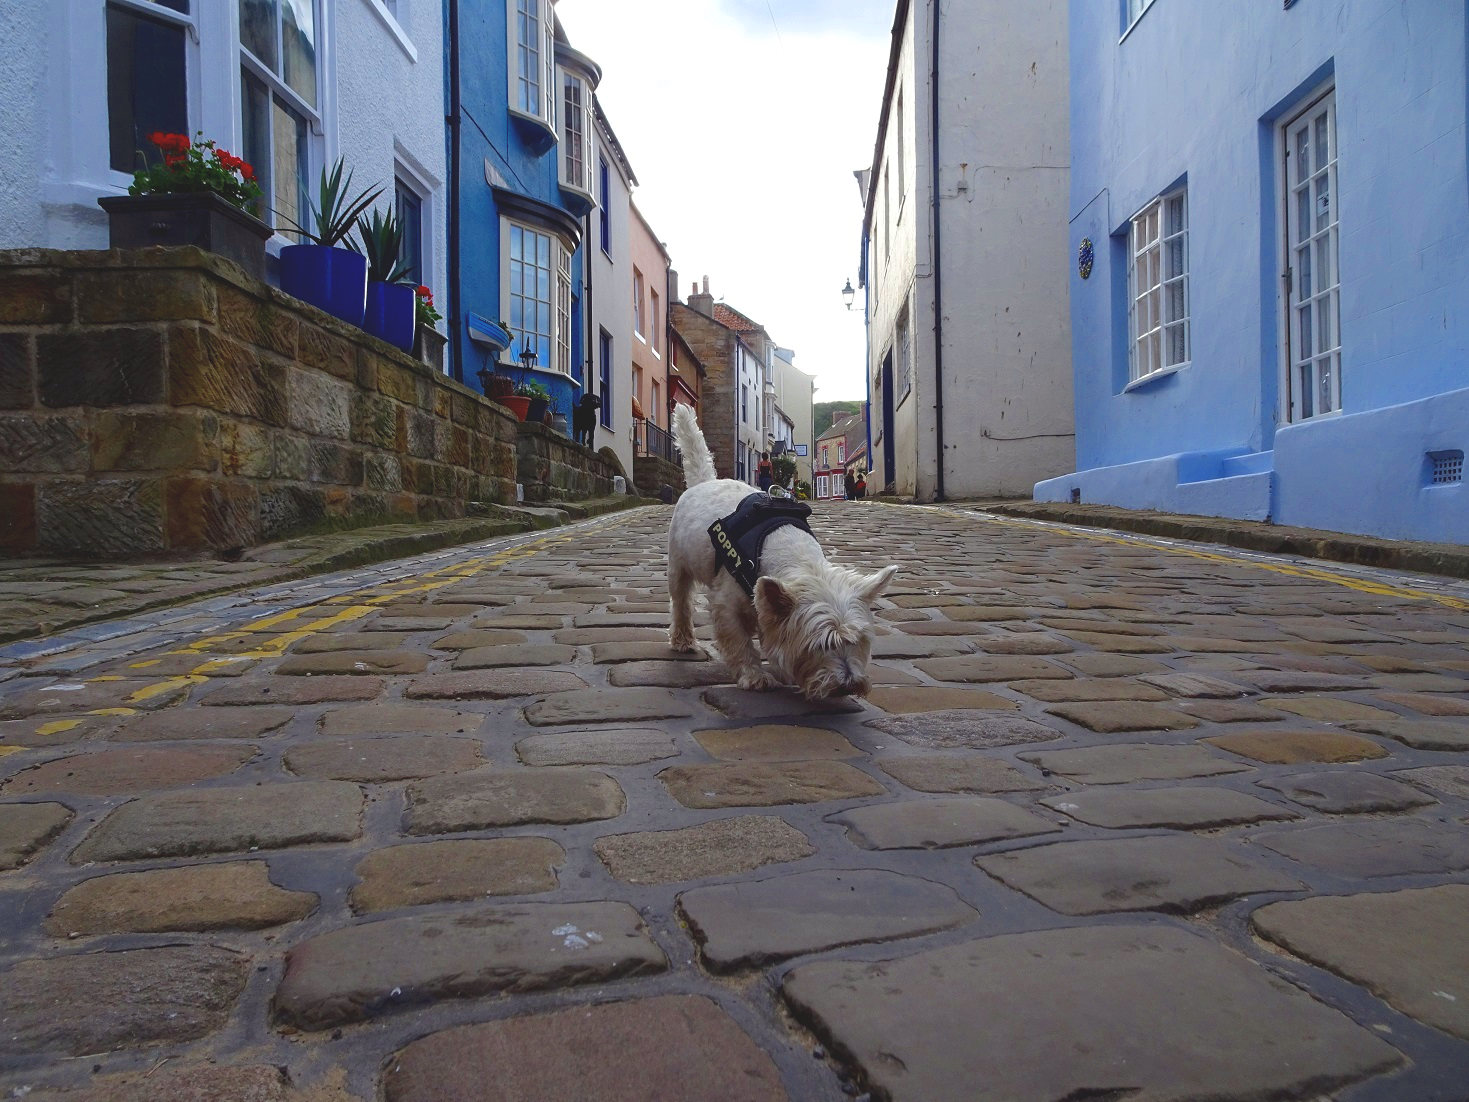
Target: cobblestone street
{"points": [[1121, 818]]}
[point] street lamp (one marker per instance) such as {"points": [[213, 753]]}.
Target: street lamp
{"points": [[848, 294], [528, 358]]}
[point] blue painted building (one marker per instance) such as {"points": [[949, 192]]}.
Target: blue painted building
{"points": [[1274, 201], [522, 155]]}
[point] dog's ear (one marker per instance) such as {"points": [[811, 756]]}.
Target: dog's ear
{"points": [[872, 587], [773, 600]]}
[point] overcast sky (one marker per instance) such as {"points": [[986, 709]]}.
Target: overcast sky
{"points": [[744, 120]]}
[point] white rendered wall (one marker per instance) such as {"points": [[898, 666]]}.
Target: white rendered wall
{"points": [[1004, 117], [389, 97], [611, 307], [382, 95], [794, 392], [1007, 396]]}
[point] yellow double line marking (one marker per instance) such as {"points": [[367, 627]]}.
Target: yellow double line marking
{"points": [[1380, 589], [280, 641]]}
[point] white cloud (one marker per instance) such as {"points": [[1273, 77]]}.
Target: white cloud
{"points": [[744, 122]]}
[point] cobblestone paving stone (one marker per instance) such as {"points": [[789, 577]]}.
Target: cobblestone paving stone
{"points": [[1123, 817]]}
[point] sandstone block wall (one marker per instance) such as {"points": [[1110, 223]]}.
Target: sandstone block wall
{"points": [[160, 401], [555, 468]]}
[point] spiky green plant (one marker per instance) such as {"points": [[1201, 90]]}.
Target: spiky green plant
{"points": [[380, 239], [334, 214]]}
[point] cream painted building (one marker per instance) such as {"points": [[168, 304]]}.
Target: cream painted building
{"points": [[965, 256]]}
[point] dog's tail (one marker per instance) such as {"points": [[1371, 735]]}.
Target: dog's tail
{"points": [[698, 464]]}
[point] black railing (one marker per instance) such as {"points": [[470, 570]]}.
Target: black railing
{"points": [[649, 439]]}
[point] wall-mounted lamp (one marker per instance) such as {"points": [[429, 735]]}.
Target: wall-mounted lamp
{"points": [[528, 358], [848, 294]]}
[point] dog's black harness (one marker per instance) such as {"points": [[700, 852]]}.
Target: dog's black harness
{"points": [[740, 537]]}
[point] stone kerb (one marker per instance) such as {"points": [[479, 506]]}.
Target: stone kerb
{"points": [[553, 467], [159, 400]]}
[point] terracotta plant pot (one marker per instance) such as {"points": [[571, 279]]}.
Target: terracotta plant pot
{"points": [[516, 405]]}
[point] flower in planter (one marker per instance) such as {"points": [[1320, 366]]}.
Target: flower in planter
{"points": [[427, 315], [532, 390], [192, 166]]}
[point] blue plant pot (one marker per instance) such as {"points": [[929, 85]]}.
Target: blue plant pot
{"points": [[331, 279], [392, 313]]}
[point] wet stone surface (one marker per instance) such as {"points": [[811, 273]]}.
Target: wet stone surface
{"points": [[1116, 820]]}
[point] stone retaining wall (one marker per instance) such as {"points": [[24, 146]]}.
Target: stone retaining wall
{"points": [[652, 472], [160, 401], [553, 467]]}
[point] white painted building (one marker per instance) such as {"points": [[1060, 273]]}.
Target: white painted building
{"points": [[610, 290], [965, 252], [289, 85], [794, 392]]}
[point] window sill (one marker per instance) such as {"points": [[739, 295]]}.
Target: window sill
{"points": [[385, 17], [541, 134], [640, 336], [1155, 377], [1135, 22]]}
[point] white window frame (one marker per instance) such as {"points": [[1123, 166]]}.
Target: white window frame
{"points": [[547, 89], [841, 452], [902, 155], [553, 343], [1132, 11], [276, 87], [637, 305], [653, 326], [1312, 328], [1158, 307], [823, 486], [577, 136]]}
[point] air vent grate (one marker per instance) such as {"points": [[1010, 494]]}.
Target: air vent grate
{"points": [[1445, 467]]}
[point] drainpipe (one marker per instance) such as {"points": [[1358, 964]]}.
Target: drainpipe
{"points": [[587, 312], [936, 259], [456, 317]]}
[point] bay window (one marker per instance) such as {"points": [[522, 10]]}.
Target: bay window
{"points": [[540, 295], [577, 170], [532, 62]]}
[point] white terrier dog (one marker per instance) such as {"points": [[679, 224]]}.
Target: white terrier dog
{"points": [[813, 619]]}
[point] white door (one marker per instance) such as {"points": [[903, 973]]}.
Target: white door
{"points": [[1313, 283]]}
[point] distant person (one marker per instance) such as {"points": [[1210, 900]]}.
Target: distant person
{"points": [[849, 484], [861, 486], [765, 473]]}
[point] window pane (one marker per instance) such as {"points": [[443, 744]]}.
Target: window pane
{"points": [[1304, 315], [146, 89], [410, 216], [1323, 260], [1175, 258], [1303, 213], [528, 53], [1175, 215], [298, 40], [1321, 142], [289, 162], [1326, 334], [1176, 308], [1307, 387], [255, 102], [1324, 376], [258, 20], [1303, 154], [1303, 272], [1177, 344]]}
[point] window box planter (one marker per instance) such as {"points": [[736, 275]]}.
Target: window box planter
{"points": [[429, 347], [331, 279], [202, 219]]}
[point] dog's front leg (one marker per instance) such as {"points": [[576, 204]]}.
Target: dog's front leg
{"points": [[734, 636]]}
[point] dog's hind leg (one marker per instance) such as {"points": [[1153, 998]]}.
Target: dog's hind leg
{"points": [[681, 602], [735, 628]]}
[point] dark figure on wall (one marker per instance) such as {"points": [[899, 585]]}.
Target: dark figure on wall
{"points": [[584, 419]]}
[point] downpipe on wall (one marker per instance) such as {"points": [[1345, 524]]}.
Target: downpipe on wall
{"points": [[456, 307], [936, 259]]}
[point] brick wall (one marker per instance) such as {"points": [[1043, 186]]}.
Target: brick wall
{"points": [[160, 401], [714, 345]]}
